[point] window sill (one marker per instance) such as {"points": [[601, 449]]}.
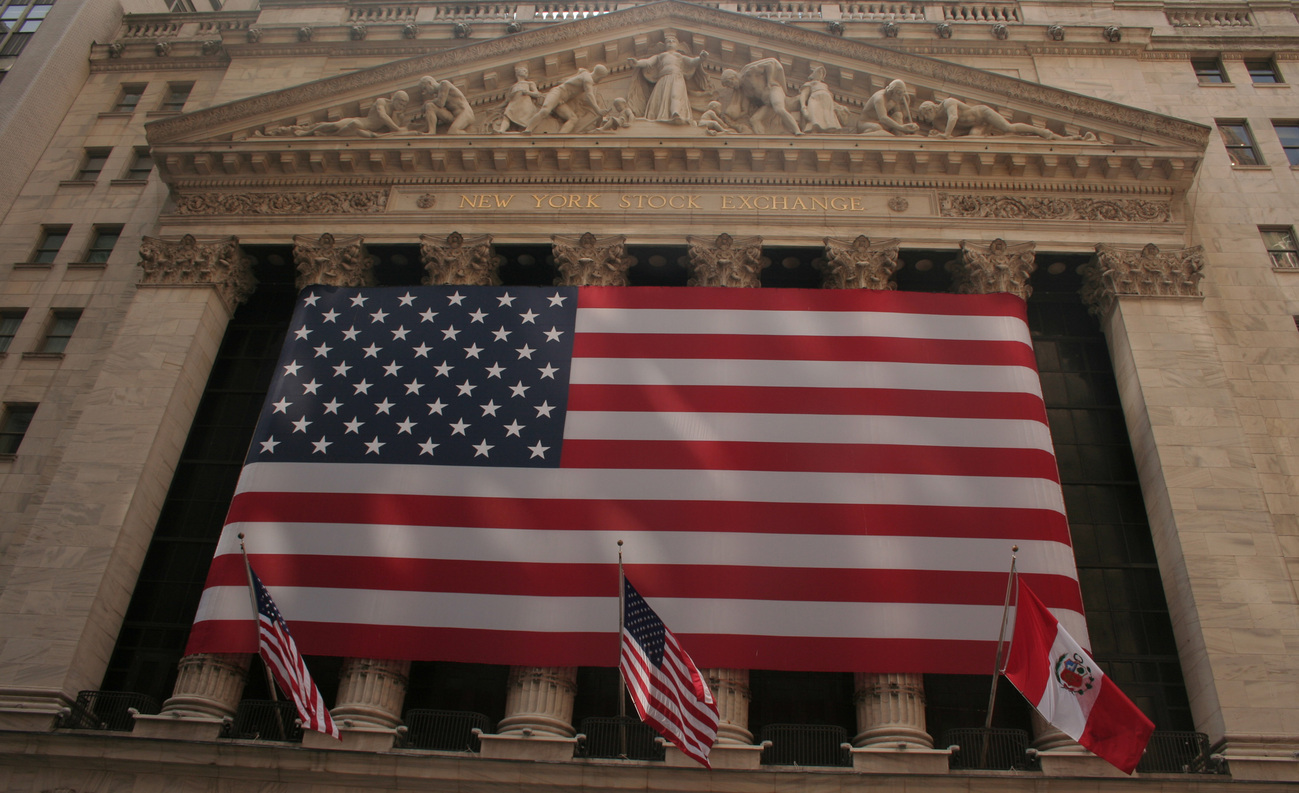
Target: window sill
{"points": [[1235, 167], [33, 265], [1269, 86], [1216, 85], [128, 182], [78, 183], [42, 356], [116, 114], [1276, 269], [87, 265], [162, 113]]}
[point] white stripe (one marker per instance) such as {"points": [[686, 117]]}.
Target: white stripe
{"points": [[600, 615], [740, 322], [816, 374], [806, 428], [636, 485], [557, 546]]}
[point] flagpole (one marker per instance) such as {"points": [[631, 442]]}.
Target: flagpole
{"points": [[622, 690], [257, 620], [996, 671]]}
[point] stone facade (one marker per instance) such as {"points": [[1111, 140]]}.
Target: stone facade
{"points": [[326, 137]]}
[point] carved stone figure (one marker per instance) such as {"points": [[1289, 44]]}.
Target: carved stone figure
{"points": [[359, 32], [305, 33], [461, 30], [666, 75], [565, 100], [210, 47], [385, 117], [975, 120], [860, 263], [999, 267], [620, 117], [116, 49], [188, 262], [756, 93], [1000, 32], [589, 260], [162, 49], [1055, 32], [890, 30], [726, 261], [1112, 34], [1119, 270], [712, 120], [520, 103], [816, 104], [330, 262], [888, 110], [943, 30], [445, 103], [459, 260], [254, 35], [410, 30], [835, 27]]}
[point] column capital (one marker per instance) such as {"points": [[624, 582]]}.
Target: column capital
{"points": [[860, 263], [189, 261], [330, 261], [726, 261], [1120, 270], [996, 267], [589, 260], [459, 260]]}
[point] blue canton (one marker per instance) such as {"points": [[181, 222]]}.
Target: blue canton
{"points": [[643, 624], [437, 375]]}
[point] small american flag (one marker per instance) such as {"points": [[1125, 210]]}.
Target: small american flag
{"points": [[670, 694], [280, 653]]}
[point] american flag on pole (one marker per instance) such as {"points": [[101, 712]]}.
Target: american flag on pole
{"points": [[669, 693], [281, 655], [821, 480]]}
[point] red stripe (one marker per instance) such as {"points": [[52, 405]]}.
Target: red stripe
{"points": [[926, 303], [666, 711], [807, 401], [598, 515], [522, 579], [581, 649], [1028, 664], [803, 348], [819, 457]]}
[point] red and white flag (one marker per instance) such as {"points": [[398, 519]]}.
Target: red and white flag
{"points": [[1071, 692]]}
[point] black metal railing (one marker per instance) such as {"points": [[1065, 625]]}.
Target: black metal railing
{"points": [[619, 736], [1175, 752], [443, 730], [263, 720], [805, 745], [995, 749], [105, 710]]}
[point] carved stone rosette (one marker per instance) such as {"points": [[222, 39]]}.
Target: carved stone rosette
{"points": [[189, 261], [459, 260], [860, 263], [891, 710], [997, 267], [332, 262], [540, 699], [589, 260], [726, 261], [1121, 270]]}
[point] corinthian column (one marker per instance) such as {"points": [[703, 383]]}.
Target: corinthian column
{"points": [[589, 260], [327, 261], [459, 260], [726, 261], [860, 263], [996, 267]]}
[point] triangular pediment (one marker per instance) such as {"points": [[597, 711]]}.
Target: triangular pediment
{"points": [[323, 127]]}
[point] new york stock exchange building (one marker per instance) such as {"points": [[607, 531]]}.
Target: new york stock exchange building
{"points": [[235, 201]]}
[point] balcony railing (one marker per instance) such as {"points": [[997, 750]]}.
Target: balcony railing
{"points": [[105, 710], [995, 749], [263, 720], [443, 730], [805, 745], [1172, 752], [619, 737]]}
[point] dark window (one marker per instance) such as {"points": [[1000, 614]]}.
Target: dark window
{"points": [[92, 164], [1288, 133], [1239, 142], [1209, 71], [141, 164], [62, 324], [1263, 71], [15, 43], [101, 245], [129, 98], [17, 418], [176, 97], [52, 238], [10, 319], [1280, 242]]}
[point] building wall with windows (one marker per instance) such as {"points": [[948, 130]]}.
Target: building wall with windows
{"points": [[129, 393]]}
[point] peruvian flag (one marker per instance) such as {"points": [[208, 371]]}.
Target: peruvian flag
{"points": [[1067, 687]]}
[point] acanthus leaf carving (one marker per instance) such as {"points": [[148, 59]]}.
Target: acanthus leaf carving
{"points": [[314, 202], [998, 267], [588, 260], [726, 261], [860, 263], [188, 261], [1133, 210], [1121, 270], [332, 262], [458, 260]]}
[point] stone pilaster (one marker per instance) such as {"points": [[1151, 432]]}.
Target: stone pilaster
{"points": [[731, 690], [1120, 270], [332, 262], [996, 267], [217, 263], [860, 263], [459, 260], [540, 700], [371, 692], [890, 710], [726, 261], [589, 260]]}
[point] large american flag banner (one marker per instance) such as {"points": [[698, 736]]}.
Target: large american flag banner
{"points": [[804, 479]]}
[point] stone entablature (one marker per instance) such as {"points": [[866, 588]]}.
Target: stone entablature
{"points": [[1123, 270], [188, 261]]}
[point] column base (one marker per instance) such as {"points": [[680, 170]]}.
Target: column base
{"points": [[1077, 763], [526, 745], [908, 760], [1263, 761], [31, 710], [729, 756], [358, 738], [177, 726]]}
